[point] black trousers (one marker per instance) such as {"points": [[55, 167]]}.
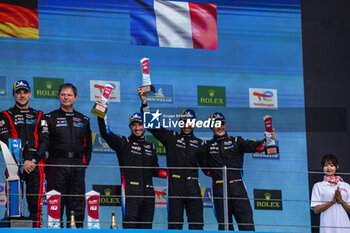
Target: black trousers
{"points": [[138, 212], [238, 206], [70, 182], [35, 191], [194, 213], [185, 196]]}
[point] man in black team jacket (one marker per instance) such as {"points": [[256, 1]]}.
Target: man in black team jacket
{"points": [[183, 150], [137, 184], [28, 125], [224, 150], [69, 154]]}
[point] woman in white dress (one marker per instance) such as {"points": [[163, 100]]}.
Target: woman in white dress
{"points": [[331, 198]]}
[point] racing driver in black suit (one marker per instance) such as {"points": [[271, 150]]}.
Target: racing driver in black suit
{"points": [[69, 154], [184, 153], [29, 125], [224, 150], [138, 164]]}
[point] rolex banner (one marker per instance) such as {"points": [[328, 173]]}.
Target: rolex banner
{"points": [[110, 195], [211, 95], [93, 205], [46, 87]]}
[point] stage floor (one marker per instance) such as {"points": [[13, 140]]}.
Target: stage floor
{"points": [[32, 230]]}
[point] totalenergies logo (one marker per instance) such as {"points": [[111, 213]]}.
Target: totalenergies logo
{"points": [[266, 96], [100, 88], [160, 193], [97, 88]]}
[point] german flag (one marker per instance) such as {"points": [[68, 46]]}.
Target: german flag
{"points": [[19, 18]]}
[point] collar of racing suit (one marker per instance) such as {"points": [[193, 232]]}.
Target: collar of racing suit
{"points": [[186, 135], [17, 109], [135, 138], [216, 138], [66, 113]]}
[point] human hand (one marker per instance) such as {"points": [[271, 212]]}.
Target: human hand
{"points": [[28, 166], [273, 134], [142, 95], [99, 100], [338, 196]]}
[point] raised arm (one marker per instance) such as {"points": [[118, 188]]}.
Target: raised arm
{"points": [[114, 141], [162, 134], [251, 146]]}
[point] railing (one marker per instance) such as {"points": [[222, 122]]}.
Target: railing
{"points": [[264, 219]]}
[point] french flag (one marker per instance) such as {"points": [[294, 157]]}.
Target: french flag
{"points": [[173, 24]]}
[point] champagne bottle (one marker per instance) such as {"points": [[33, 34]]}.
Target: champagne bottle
{"points": [[72, 220], [113, 222]]}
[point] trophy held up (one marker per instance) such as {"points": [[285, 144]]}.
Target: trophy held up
{"points": [[146, 78], [270, 146], [100, 109]]}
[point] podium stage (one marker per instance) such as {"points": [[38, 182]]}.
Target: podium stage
{"points": [[21, 230]]}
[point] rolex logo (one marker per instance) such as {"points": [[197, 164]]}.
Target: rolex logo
{"points": [[49, 84], [267, 196], [46, 87], [110, 195], [108, 191], [211, 95], [267, 199], [211, 92]]}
